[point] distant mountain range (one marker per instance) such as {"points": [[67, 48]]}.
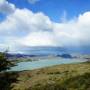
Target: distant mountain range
{"points": [[17, 56], [41, 51], [44, 51]]}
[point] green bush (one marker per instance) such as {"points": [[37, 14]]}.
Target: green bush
{"points": [[4, 62]]}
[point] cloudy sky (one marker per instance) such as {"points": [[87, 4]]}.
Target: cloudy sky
{"points": [[27, 23]]}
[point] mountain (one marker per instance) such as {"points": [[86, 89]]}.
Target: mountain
{"points": [[44, 51]]}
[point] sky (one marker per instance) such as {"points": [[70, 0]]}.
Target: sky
{"points": [[27, 23]]}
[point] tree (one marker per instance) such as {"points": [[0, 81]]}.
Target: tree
{"points": [[4, 62]]}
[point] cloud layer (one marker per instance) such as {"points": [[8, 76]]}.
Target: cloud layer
{"points": [[25, 28]]}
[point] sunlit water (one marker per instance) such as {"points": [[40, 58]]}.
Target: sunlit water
{"points": [[43, 63]]}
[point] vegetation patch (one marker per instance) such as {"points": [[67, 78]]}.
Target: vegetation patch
{"points": [[60, 77]]}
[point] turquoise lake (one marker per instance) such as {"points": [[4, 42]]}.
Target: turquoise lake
{"points": [[43, 63]]}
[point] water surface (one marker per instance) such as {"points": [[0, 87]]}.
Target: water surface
{"points": [[43, 63]]}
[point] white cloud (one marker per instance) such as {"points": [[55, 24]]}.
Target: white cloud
{"points": [[39, 39], [23, 27], [23, 21], [6, 7], [33, 1]]}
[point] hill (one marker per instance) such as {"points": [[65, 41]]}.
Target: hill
{"points": [[60, 77]]}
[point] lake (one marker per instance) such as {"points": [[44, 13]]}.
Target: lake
{"points": [[43, 63]]}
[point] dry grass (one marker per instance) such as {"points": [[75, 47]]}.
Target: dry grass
{"points": [[61, 77]]}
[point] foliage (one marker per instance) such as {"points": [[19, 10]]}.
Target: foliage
{"points": [[6, 79], [4, 62]]}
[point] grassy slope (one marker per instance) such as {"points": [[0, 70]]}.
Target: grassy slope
{"points": [[61, 77]]}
